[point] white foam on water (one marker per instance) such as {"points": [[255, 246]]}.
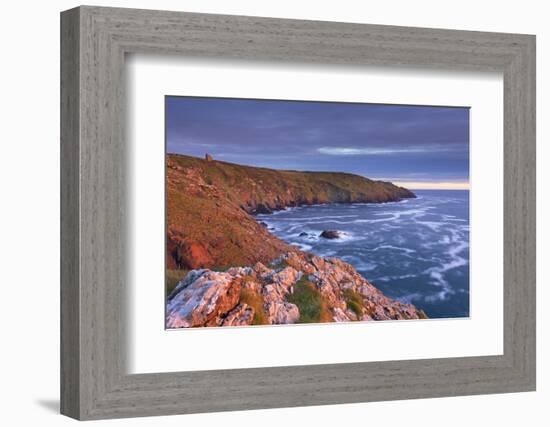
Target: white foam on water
{"points": [[292, 228], [359, 263], [438, 273], [433, 225], [399, 239], [392, 278], [322, 218], [397, 233], [302, 246], [409, 298], [332, 221], [328, 253], [406, 250]]}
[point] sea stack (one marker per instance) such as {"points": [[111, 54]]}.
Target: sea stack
{"points": [[331, 234]]}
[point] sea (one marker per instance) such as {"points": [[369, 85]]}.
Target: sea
{"points": [[414, 250]]}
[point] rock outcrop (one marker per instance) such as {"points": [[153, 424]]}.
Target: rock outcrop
{"points": [[295, 288], [331, 234]]}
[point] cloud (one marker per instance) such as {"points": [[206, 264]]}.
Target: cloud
{"points": [[373, 151], [174, 141]]}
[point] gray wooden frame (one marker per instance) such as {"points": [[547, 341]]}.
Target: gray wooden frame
{"points": [[94, 41]]}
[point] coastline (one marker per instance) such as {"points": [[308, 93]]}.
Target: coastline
{"points": [[231, 262], [210, 207], [416, 250]]}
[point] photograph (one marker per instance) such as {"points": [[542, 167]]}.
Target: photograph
{"points": [[285, 212]]}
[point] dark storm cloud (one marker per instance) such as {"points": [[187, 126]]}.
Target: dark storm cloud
{"points": [[401, 143]]}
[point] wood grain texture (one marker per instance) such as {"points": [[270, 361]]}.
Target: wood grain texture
{"points": [[70, 292], [94, 269]]}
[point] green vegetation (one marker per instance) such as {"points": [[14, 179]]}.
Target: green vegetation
{"points": [[172, 279], [305, 187], [313, 307], [354, 301], [254, 300]]}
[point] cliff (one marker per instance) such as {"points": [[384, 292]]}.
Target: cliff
{"points": [[209, 205], [295, 288]]}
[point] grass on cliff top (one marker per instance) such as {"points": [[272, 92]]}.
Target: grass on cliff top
{"points": [[422, 314], [172, 279], [236, 180], [354, 301], [313, 307], [255, 301]]}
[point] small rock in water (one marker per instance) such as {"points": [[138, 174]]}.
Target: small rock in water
{"points": [[303, 234], [331, 234]]}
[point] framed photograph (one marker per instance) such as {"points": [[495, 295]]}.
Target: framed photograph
{"points": [[314, 227], [262, 213]]}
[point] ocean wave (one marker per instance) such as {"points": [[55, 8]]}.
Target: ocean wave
{"points": [[326, 253], [406, 212], [433, 225], [414, 251], [316, 218], [409, 298], [437, 274], [302, 246], [392, 278], [280, 211], [399, 239], [397, 248], [292, 229], [358, 263]]}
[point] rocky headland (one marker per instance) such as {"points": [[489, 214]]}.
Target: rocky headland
{"points": [[210, 207], [230, 270]]}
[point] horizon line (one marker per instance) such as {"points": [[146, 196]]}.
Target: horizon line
{"points": [[411, 185]]}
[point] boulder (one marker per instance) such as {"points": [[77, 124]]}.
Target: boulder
{"points": [[201, 302], [232, 298], [279, 284], [331, 234], [239, 271], [282, 313], [340, 315], [242, 315], [186, 281], [261, 270]]}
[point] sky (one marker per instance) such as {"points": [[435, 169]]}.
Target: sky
{"points": [[419, 147]]}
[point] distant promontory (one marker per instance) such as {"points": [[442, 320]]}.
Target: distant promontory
{"points": [[210, 204]]}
